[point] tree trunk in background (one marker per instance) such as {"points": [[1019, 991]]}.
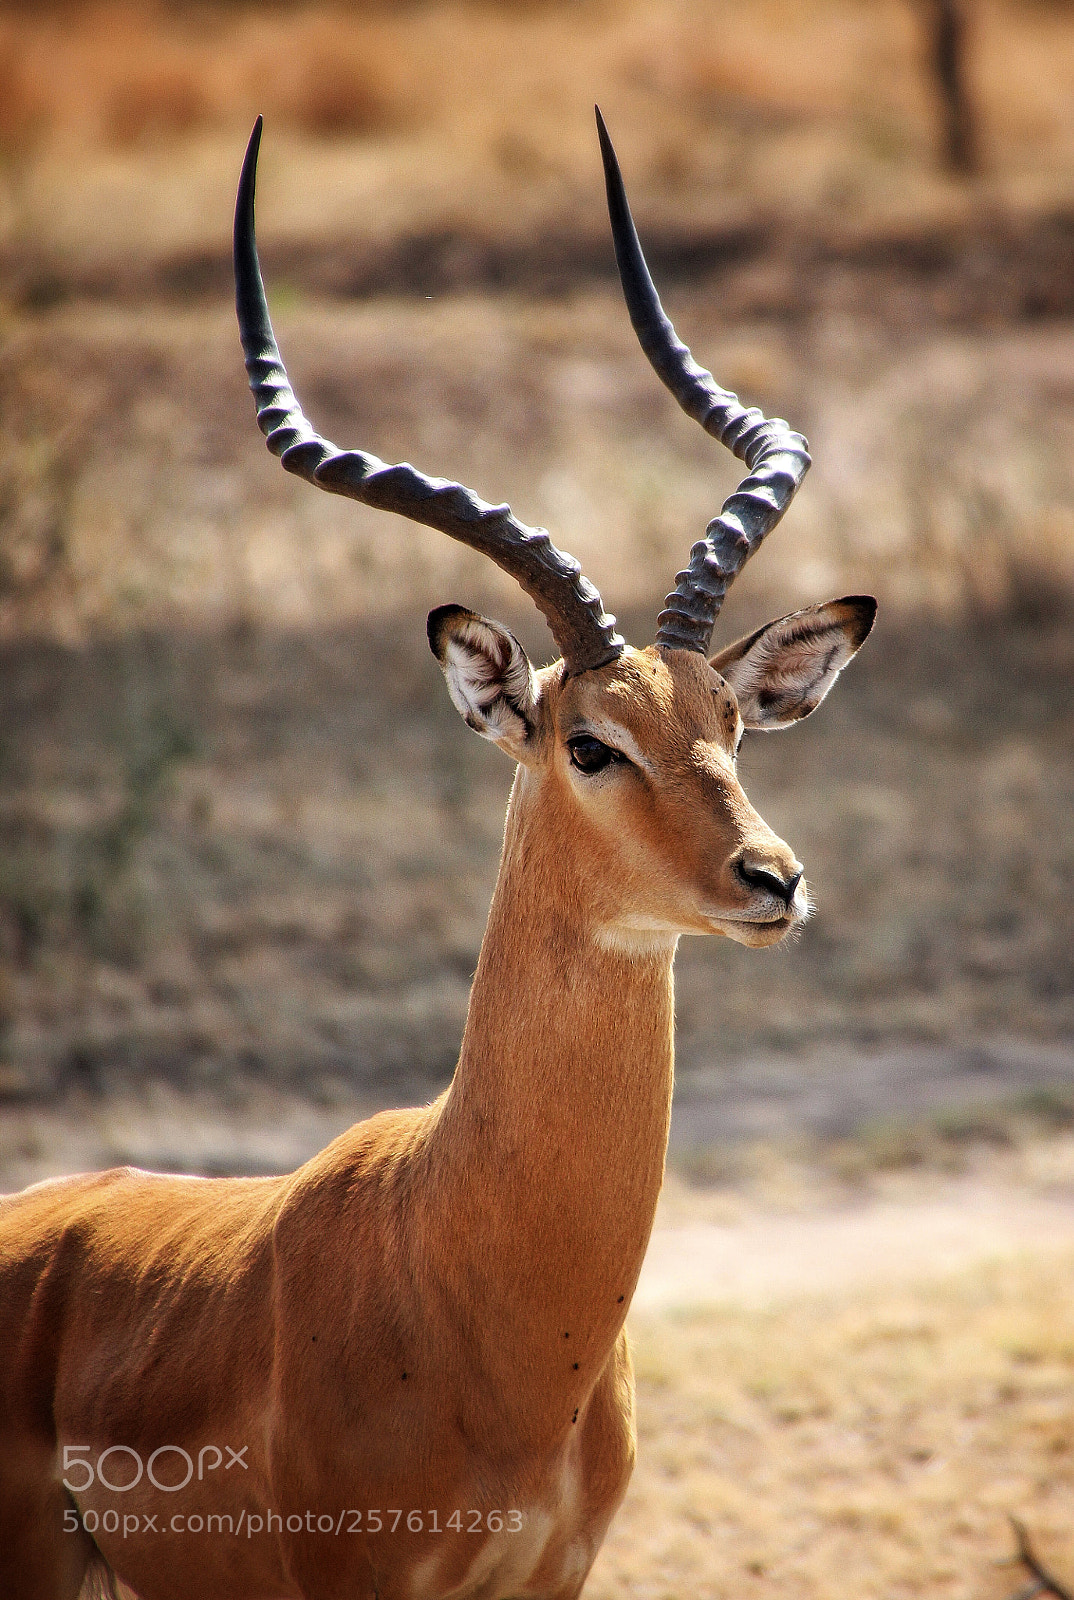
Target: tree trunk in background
{"points": [[946, 22]]}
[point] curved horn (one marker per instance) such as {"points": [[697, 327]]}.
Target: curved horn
{"points": [[586, 637], [777, 458]]}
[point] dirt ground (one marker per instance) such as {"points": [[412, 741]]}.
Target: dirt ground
{"points": [[871, 1434]]}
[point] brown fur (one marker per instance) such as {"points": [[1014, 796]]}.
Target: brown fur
{"points": [[429, 1314]]}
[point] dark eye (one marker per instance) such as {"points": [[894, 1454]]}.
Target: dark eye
{"points": [[589, 755]]}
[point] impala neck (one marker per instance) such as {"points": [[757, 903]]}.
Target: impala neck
{"points": [[551, 1140]]}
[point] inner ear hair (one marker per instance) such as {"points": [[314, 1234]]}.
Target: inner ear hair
{"points": [[488, 674], [784, 670]]}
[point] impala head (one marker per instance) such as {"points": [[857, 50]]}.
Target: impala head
{"points": [[630, 754], [635, 763]]}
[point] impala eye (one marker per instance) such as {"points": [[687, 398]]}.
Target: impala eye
{"points": [[589, 755]]}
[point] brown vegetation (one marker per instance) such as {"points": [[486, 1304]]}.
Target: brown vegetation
{"points": [[871, 1445], [241, 827], [828, 105]]}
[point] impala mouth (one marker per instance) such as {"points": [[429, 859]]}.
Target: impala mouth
{"points": [[756, 932], [759, 922], [787, 920], [788, 917], [767, 924]]}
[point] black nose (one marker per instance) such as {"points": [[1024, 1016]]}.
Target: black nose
{"points": [[759, 878]]}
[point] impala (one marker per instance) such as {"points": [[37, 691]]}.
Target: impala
{"points": [[401, 1372]]}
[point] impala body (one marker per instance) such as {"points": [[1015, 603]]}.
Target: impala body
{"points": [[401, 1372]]}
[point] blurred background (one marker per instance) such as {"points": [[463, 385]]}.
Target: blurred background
{"points": [[247, 845]]}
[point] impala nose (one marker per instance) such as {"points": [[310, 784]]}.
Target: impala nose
{"points": [[755, 877]]}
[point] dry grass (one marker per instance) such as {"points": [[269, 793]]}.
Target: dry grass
{"points": [[128, 74], [253, 853], [254, 835], [870, 1445], [480, 116], [139, 493], [220, 850]]}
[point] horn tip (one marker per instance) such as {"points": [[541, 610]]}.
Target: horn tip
{"points": [[253, 144], [248, 176], [607, 149]]}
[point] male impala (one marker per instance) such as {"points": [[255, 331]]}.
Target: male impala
{"points": [[401, 1372]]}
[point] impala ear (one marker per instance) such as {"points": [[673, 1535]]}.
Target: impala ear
{"points": [[783, 671], [488, 674]]}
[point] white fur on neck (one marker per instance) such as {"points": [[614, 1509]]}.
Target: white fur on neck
{"points": [[638, 936]]}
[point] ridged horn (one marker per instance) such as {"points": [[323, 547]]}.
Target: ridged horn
{"points": [[776, 457], [584, 634]]}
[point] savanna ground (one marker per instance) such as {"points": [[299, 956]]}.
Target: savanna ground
{"points": [[247, 845]]}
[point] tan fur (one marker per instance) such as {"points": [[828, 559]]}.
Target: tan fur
{"points": [[429, 1314]]}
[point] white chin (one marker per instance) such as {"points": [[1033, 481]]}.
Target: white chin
{"points": [[756, 935]]}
